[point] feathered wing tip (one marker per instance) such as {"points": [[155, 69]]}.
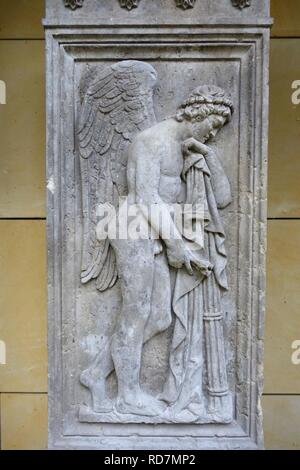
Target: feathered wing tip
{"points": [[102, 268], [117, 103]]}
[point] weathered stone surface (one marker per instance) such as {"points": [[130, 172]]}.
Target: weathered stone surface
{"points": [[158, 11], [167, 331]]}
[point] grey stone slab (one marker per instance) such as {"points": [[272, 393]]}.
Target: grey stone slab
{"points": [[156, 338]]}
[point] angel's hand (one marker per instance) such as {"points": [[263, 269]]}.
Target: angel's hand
{"points": [[180, 257], [176, 254], [201, 264], [194, 146]]}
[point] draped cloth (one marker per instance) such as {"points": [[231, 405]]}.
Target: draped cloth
{"points": [[196, 297]]}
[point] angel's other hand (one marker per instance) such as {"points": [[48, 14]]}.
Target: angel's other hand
{"points": [[201, 264], [192, 145]]}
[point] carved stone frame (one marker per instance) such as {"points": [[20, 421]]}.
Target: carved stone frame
{"points": [[250, 50]]}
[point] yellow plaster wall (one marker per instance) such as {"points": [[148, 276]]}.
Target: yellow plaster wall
{"points": [[23, 381]]}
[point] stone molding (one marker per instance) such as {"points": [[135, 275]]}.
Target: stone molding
{"points": [[130, 4]]}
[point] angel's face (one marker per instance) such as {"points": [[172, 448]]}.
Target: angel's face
{"points": [[208, 128]]}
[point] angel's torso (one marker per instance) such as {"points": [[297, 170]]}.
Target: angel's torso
{"points": [[166, 153]]}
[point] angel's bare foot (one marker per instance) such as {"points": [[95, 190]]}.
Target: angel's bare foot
{"points": [[140, 404]]}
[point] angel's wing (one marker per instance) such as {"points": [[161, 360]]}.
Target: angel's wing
{"points": [[117, 104]]}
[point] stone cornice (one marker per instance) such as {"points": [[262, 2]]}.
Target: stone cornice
{"points": [[130, 4]]}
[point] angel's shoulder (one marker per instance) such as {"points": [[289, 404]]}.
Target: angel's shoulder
{"points": [[150, 137]]}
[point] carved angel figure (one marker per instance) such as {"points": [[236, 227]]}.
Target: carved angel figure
{"points": [[125, 153]]}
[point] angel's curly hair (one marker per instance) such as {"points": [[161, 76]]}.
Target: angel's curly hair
{"points": [[203, 102]]}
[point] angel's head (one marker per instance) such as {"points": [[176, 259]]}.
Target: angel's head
{"points": [[206, 111]]}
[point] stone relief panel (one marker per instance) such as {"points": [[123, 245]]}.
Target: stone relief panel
{"points": [[130, 159], [157, 125], [98, 308]]}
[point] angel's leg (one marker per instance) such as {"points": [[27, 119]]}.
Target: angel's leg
{"points": [[135, 260]]}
